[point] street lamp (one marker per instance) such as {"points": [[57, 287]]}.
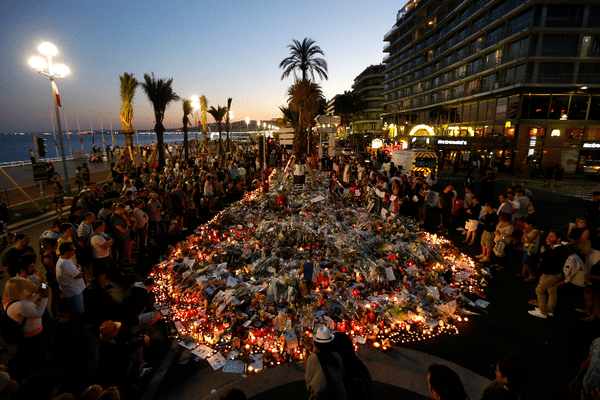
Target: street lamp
{"points": [[247, 123], [196, 106], [53, 72]]}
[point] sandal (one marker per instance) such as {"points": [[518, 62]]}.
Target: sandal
{"points": [[465, 241], [583, 311], [591, 318], [471, 243], [530, 279]]}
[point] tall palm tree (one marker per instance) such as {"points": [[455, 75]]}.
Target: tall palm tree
{"points": [[128, 86], [203, 109], [218, 114], [227, 122], [160, 93], [304, 58], [187, 110], [304, 99]]}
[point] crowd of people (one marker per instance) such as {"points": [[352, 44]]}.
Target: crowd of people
{"points": [[111, 227]]}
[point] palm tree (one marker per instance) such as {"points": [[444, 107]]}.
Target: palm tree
{"points": [[304, 99], [218, 114], [304, 58], [346, 105], [128, 86], [227, 122], [160, 93], [187, 110], [289, 117], [203, 108]]}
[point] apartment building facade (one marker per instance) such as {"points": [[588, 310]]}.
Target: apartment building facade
{"points": [[368, 91], [515, 82]]}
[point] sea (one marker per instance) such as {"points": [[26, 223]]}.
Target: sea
{"points": [[15, 146]]}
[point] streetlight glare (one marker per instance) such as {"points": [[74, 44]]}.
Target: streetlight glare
{"points": [[48, 49], [61, 70], [37, 63]]}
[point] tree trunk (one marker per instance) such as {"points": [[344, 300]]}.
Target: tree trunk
{"points": [[220, 138], [160, 130], [185, 141], [127, 161]]}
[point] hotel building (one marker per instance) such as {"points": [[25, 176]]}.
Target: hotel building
{"points": [[515, 82]]}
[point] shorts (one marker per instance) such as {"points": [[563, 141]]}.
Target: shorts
{"points": [[76, 303], [101, 265], [471, 225], [526, 258], [148, 317], [487, 239]]}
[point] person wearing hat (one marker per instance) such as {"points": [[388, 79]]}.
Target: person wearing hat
{"points": [[325, 369], [121, 352]]}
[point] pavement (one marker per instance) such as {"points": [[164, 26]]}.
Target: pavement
{"points": [[550, 351]]}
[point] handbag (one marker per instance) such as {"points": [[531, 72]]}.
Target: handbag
{"points": [[499, 248]]}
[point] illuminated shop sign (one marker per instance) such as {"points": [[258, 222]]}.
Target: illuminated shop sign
{"points": [[591, 145], [457, 142]]}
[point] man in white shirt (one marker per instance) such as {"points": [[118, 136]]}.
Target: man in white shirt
{"points": [[505, 206], [71, 283]]}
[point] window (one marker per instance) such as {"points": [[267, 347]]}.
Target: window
{"points": [[513, 107], [555, 72], [501, 107], [594, 108], [482, 111], [578, 107], [489, 81], [564, 16], [491, 110], [560, 45], [467, 111], [539, 107], [559, 107]]}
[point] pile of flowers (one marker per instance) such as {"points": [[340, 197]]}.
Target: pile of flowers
{"points": [[257, 279]]}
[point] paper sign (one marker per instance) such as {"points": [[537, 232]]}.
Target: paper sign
{"points": [[233, 367], [202, 351], [216, 361], [360, 339], [188, 344], [317, 199], [482, 303], [257, 362], [179, 326], [389, 274], [210, 289], [231, 281], [232, 354]]}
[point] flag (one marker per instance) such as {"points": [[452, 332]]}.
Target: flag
{"points": [[55, 90]]}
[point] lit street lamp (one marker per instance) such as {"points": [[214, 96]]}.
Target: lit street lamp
{"points": [[53, 72], [247, 123]]}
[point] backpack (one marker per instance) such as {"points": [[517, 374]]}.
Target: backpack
{"points": [[10, 330]]}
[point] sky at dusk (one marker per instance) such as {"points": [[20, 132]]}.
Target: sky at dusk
{"points": [[219, 49]]}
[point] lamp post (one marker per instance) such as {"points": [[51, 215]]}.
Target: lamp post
{"points": [[52, 73]]}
